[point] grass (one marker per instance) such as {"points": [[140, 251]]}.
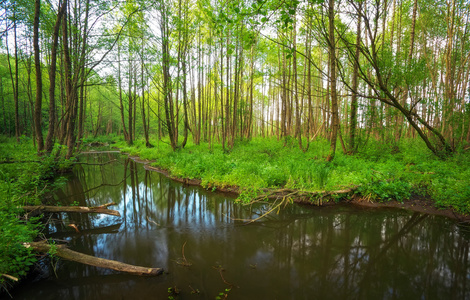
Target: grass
{"points": [[267, 163]]}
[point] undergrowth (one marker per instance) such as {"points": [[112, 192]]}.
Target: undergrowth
{"points": [[24, 179], [383, 174]]}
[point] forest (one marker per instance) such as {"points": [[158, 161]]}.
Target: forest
{"points": [[371, 97], [347, 71]]}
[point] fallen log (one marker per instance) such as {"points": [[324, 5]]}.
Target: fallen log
{"points": [[63, 252], [103, 209]]}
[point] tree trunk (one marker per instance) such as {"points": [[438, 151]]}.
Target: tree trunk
{"points": [[65, 253], [332, 63], [37, 62], [121, 104], [353, 119], [52, 79]]}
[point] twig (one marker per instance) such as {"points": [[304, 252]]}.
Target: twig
{"points": [[220, 269], [9, 277], [106, 205], [182, 252], [268, 212], [183, 261], [148, 219]]}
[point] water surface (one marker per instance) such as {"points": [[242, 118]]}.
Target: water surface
{"points": [[202, 241]]}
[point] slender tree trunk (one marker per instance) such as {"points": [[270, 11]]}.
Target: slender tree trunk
{"points": [[2, 98], [332, 62], [130, 97], [52, 79], [37, 62], [353, 119], [121, 104], [16, 87]]}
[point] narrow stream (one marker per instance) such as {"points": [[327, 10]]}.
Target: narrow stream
{"points": [[201, 240]]}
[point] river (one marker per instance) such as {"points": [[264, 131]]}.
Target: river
{"points": [[203, 242]]}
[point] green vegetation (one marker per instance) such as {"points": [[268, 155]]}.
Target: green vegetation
{"points": [[253, 94], [265, 163], [24, 179]]}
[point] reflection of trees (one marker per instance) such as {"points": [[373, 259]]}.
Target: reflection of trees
{"points": [[303, 253]]}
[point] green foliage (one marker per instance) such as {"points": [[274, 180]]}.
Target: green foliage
{"points": [[24, 179], [383, 171], [173, 293], [224, 294], [387, 190], [15, 259]]}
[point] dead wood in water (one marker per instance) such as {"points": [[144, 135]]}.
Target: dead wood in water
{"points": [[65, 253], [95, 164], [19, 161], [302, 196], [103, 209]]}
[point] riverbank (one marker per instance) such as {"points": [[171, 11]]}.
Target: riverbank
{"points": [[24, 179], [416, 203], [410, 178]]}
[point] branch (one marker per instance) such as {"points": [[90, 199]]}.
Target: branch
{"points": [[9, 277], [19, 161], [65, 253], [95, 164], [75, 209]]}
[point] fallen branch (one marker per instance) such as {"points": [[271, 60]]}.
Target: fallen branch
{"points": [[95, 164], [19, 161], [75, 209], [99, 152], [302, 196], [65, 253], [9, 277], [285, 200]]}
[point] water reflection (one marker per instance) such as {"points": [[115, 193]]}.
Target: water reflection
{"points": [[337, 252]]}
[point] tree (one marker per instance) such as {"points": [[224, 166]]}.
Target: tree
{"points": [[332, 81], [37, 63]]}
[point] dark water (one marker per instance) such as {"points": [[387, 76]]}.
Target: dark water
{"points": [[340, 252]]}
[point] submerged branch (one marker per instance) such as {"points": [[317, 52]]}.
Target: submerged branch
{"points": [[95, 164], [103, 209], [65, 253]]}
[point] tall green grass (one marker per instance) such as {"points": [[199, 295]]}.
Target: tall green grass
{"points": [[381, 173]]}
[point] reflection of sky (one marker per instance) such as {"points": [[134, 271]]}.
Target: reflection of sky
{"points": [[331, 252]]}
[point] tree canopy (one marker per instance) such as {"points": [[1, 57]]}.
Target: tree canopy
{"points": [[225, 71]]}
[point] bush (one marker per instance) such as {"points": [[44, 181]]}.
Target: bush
{"points": [[15, 260]]}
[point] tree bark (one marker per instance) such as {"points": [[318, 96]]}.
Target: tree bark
{"points": [[353, 120], [332, 63], [37, 62], [65, 253], [52, 79]]}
